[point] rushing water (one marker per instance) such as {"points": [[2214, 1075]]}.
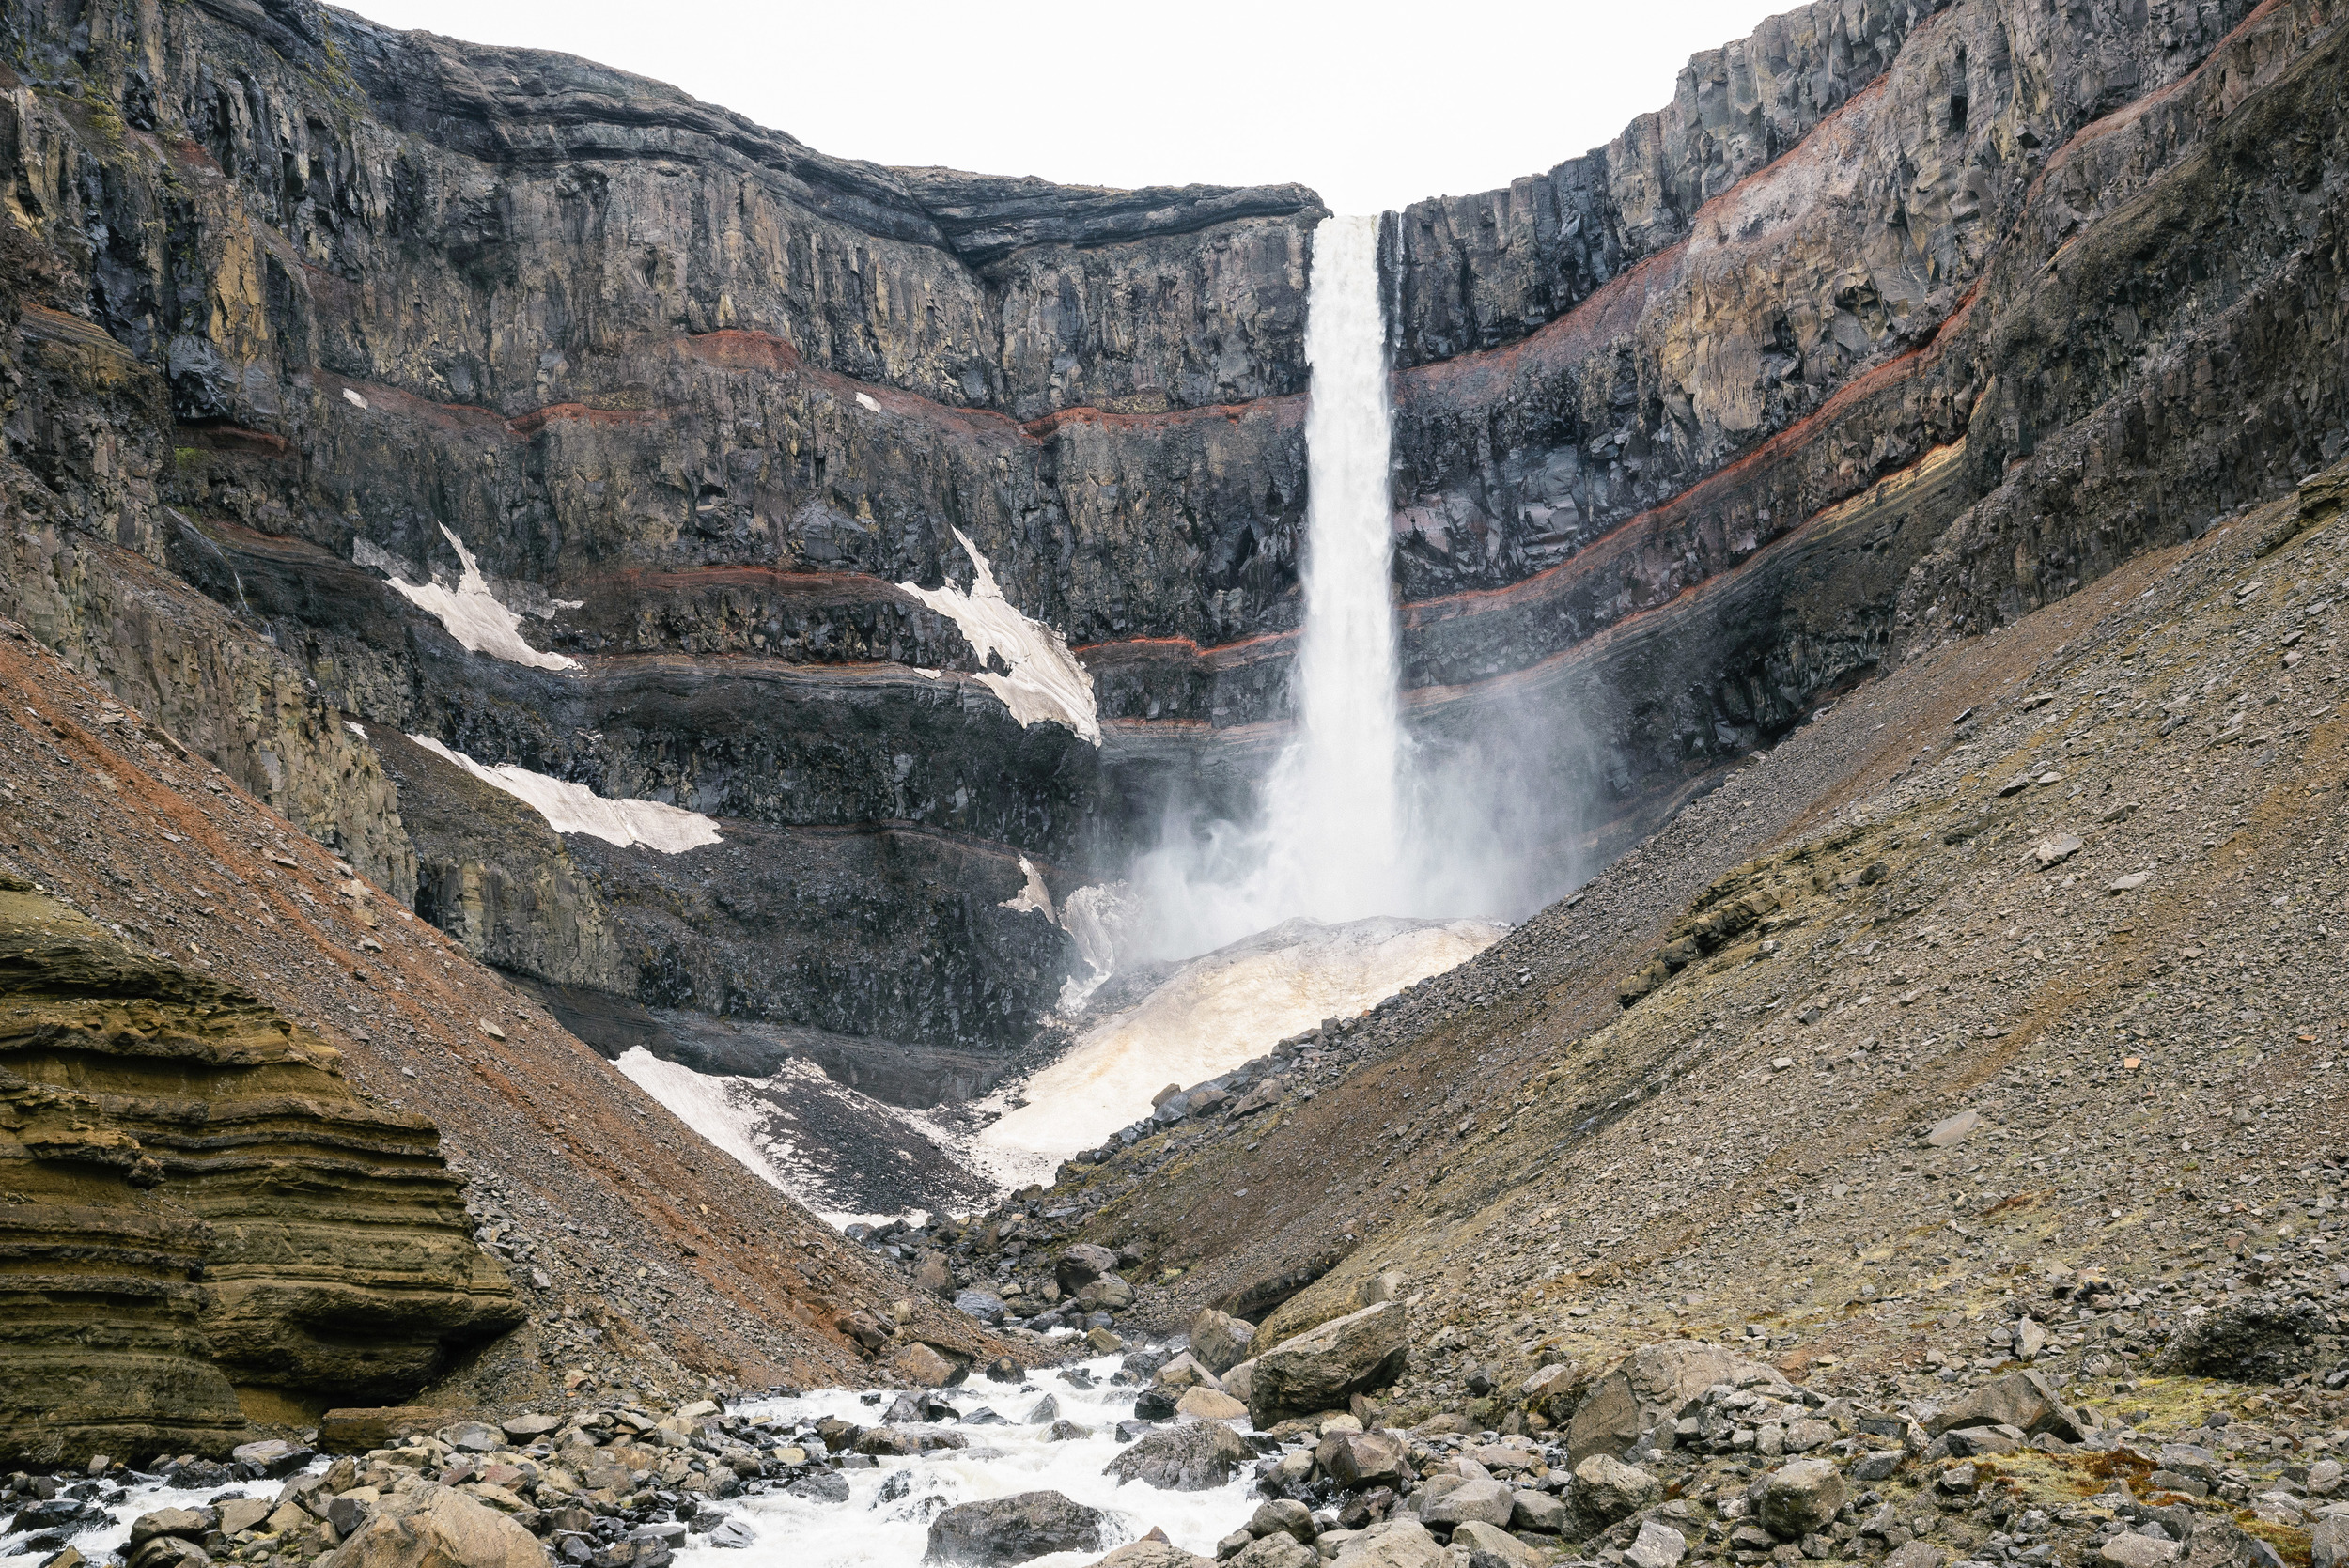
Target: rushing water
{"points": [[885, 1521], [1330, 842]]}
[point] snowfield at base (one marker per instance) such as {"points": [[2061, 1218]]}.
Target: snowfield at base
{"points": [[751, 1119], [869, 1532], [1045, 681], [1213, 1014], [472, 614], [571, 808]]}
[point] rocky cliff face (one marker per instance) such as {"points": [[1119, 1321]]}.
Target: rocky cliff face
{"points": [[166, 1140], [1897, 321]]}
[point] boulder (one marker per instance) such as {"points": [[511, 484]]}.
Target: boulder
{"points": [[998, 1531], [2137, 1551], [1797, 1499], [1188, 1458], [1657, 1545], [933, 1277], [1537, 1512], [1240, 1381], [922, 1366], [1275, 1551], [2328, 1542], [1491, 1539], [1404, 1543], [1654, 1386], [1153, 1553], [1317, 1370], [434, 1526], [193, 1524], [1219, 1339], [2023, 1399], [1605, 1490], [1080, 1265], [1490, 1502], [821, 1486], [1285, 1516], [1361, 1460], [1208, 1405], [1185, 1372], [1916, 1554], [1108, 1293]]}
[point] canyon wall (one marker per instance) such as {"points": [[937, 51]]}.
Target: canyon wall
{"points": [[1899, 321]]}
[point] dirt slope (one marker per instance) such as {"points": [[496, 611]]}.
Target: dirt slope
{"points": [[644, 1256], [1872, 947]]}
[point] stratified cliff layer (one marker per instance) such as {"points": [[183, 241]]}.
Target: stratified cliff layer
{"points": [[221, 1047], [199, 1203], [1899, 321]]}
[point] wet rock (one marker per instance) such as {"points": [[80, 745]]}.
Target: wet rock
{"points": [[1317, 1370], [996, 1532], [1359, 1460], [1188, 1458], [821, 1486], [434, 1526], [1219, 1339]]}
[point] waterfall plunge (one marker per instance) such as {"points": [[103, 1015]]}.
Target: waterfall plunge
{"points": [[1333, 810], [1333, 839]]}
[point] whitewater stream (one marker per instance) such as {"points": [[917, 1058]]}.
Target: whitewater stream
{"points": [[884, 1521]]}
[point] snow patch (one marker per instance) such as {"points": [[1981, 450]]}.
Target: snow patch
{"points": [[353, 398], [354, 729], [785, 1128], [472, 614], [572, 808], [865, 400], [1045, 681], [1206, 1018], [1033, 896]]}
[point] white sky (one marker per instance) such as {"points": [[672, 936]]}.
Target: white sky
{"points": [[1375, 105]]}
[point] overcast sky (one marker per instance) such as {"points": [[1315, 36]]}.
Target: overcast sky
{"points": [[1373, 105]]}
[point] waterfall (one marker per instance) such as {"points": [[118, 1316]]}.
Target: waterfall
{"points": [[1333, 807]]}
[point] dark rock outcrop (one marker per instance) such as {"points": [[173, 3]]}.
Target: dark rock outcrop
{"points": [[170, 1146]]}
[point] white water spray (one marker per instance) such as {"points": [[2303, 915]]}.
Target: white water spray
{"points": [[1358, 817], [1333, 808]]}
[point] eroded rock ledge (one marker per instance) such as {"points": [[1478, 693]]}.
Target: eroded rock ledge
{"points": [[203, 1219]]}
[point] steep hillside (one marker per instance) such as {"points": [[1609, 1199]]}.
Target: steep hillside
{"points": [[2020, 964], [640, 1257]]}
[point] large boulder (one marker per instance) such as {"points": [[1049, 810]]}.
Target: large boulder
{"points": [[1486, 1502], [1083, 1264], [996, 1532], [1605, 1490], [1275, 1551], [1359, 1460], [1400, 1543], [1797, 1499], [2328, 1542], [1478, 1538], [2023, 1399], [434, 1526], [1188, 1458], [1320, 1368], [1153, 1553], [1655, 1386], [1220, 1339]]}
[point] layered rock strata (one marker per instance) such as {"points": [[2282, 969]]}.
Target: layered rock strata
{"points": [[201, 1204]]}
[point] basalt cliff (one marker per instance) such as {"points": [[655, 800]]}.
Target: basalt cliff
{"points": [[719, 585]]}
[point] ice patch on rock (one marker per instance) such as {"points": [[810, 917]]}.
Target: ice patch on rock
{"points": [[571, 808], [472, 614], [1209, 1016], [1045, 681], [866, 400]]}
